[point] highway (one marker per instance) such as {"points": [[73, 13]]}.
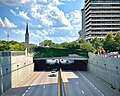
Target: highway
{"points": [[84, 84], [39, 84], [78, 83]]}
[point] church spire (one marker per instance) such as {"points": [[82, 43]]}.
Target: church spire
{"points": [[27, 35], [27, 28]]}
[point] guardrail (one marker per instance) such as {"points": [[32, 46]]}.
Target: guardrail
{"points": [[62, 91]]}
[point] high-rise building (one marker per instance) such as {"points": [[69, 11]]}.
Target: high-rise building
{"points": [[27, 35], [99, 17], [82, 32]]}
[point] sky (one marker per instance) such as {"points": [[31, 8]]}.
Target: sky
{"points": [[56, 20]]}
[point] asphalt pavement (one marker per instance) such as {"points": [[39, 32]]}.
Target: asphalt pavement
{"points": [[39, 84], [78, 83]]}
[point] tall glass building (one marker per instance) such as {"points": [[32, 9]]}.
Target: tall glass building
{"points": [[101, 17]]}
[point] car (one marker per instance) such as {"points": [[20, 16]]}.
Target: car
{"points": [[52, 74]]}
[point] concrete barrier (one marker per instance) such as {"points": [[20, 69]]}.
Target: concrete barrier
{"points": [[107, 68], [14, 67], [62, 91]]}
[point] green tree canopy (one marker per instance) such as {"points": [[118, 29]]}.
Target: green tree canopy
{"points": [[11, 46], [117, 41], [108, 42], [46, 43], [95, 42]]}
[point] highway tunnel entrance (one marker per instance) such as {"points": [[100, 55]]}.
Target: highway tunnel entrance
{"points": [[65, 64]]}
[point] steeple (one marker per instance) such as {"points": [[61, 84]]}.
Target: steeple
{"points": [[26, 29], [27, 35]]}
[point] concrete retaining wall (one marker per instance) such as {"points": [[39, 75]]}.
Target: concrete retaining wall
{"points": [[14, 68], [107, 68]]}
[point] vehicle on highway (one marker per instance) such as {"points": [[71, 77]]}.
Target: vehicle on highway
{"points": [[52, 74]]}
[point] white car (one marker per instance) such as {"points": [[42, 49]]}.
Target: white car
{"points": [[52, 74]]}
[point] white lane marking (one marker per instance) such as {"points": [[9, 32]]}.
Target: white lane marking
{"points": [[44, 87], [98, 90], [104, 84], [102, 94], [76, 82], [92, 85], [29, 87], [26, 91], [23, 94], [82, 91]]}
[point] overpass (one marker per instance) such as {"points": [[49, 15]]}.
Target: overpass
{"points": [[67, 63]]}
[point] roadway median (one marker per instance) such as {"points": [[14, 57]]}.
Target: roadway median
{"points": [[62, 91]]}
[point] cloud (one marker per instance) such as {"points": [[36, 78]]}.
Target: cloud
{"points": [[28, 2], [6, 23], [39, 26], [5, 32], [22, 14], [74, 17], [49, 15], [37, 38], [50, 22], [19, 32], [9, 24], [55, 2], [17, 8], [1, 22], [68, 0], [61, 39], [16, 2], [13, 12]]}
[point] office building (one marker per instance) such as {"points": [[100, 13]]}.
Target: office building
{"points": [[99, 17]]}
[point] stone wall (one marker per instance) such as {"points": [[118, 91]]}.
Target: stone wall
{"points": [[14, 68], [107, 68]]}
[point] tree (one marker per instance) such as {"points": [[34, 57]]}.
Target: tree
{"points": [[108, 42], [73, 45], [95, 42], [87, 47], [4, 45], [82, 41], [117, 41], [64, 44], [17, 47], [11, 46], [46, 43]]}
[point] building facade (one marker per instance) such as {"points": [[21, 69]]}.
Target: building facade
{"points": [[82, 32], [99, 17]]}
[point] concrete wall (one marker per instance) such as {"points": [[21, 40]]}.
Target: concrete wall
{"points": [[107, 68], [14, 68]]}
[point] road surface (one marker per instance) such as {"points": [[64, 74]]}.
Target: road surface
{"points": [[78, 83], [39, 84], [84, 84]]}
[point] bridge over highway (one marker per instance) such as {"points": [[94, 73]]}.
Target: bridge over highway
{"points": [[67, 63]]}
